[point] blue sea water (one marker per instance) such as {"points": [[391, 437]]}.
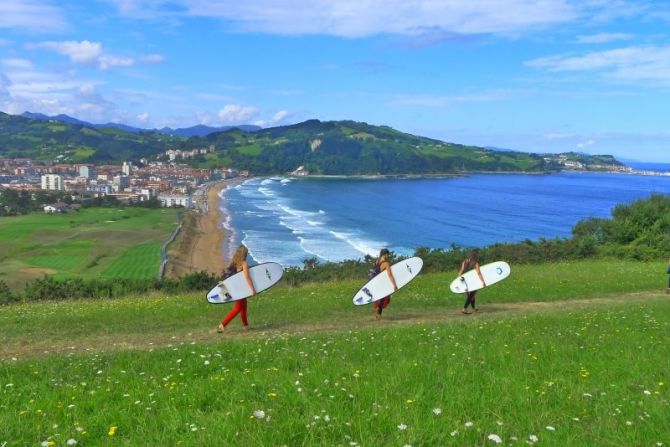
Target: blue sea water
{"points": [[289, 220]]}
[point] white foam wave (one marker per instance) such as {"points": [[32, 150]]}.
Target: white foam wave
{"points": [[366, 247]]}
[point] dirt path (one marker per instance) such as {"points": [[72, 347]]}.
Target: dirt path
{"points": [[141, 341]]}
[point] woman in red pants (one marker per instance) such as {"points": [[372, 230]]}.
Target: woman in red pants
{"points": [[381, 265], [239, 264]]}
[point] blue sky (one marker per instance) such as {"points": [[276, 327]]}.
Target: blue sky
{"points": [[540, 76]]}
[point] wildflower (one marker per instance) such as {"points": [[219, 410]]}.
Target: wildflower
{"points": [[272, 395], [437, 411], [647, 392], [469, 424], [454, 433], [71, 441], [409, 401], [402, 427], [550, 428], [259, 414], [112, 430], [533, 439], [495, 438]]}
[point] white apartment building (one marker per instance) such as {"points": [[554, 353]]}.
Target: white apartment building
{"points": [[168, 200], [52, 182]]}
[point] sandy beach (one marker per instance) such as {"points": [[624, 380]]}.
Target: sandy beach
{"points": [[201, 241]]}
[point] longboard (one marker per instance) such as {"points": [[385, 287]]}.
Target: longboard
{"points": [[380, 286], [469, 281], [236, 288]]}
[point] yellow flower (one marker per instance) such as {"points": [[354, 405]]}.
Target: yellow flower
{"points": [[409, 401], [112, 430]]}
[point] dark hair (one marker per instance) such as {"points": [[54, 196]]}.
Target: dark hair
{"points": [[384, 251]]}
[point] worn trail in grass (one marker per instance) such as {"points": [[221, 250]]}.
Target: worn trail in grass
{"points": [[151, 321]]}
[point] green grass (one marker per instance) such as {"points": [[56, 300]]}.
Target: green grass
{"points": [[93, 242], [135, 262], [586, 367]]}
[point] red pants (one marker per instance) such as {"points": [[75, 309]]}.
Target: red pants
{"points": [[383, 303], [240, 307]]}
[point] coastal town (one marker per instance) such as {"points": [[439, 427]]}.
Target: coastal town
{"points": [[169, 182]]}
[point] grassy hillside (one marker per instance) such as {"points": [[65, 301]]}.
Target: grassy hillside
{"points": [[551, 359], [74, 143], [95, 242], [330, 147]]}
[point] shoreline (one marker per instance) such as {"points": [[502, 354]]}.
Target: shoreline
{"points": [[203, 242]]}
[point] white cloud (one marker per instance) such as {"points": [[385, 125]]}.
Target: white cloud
{"points": [[108, 61], [12, 62], [358, 18], [279, 116], [236, 114], [143, 117], [636, 64], [78, 52], [92, 53], [585, 144], [35, 16], [276, 119], [603, 38]]}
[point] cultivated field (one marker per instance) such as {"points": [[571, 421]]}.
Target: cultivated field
{"points": [[95, 242], [560, 354]]}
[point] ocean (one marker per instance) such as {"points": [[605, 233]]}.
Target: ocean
{"points": [[288, 220]]}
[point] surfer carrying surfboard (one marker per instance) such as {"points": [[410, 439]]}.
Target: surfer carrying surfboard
{"points": [[239, 264], [382, 264], [471, 263]]}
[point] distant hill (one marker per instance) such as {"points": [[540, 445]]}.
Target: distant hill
{"points": [[193, 131], [319, 147], [201, 130]]}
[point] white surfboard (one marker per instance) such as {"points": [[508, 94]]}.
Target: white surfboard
{"points": [[236, 288], [469, 281], [380, 286]]}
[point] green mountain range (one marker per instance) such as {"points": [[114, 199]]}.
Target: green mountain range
{"points": [[327, 148]]}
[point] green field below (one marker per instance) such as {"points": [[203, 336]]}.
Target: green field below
{"points": [[560, 354], [95, 242]]}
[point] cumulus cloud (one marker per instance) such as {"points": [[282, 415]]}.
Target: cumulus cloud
{"points": [[236, 114], [36, 16], [92, 53], [635, 64], [78, 52]]}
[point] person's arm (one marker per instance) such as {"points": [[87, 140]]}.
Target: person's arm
{"points": [[479, 273], [386, 266], [247, 276], [462, 269]]}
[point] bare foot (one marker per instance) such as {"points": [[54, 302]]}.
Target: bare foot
{"points": [[220, 329]]}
